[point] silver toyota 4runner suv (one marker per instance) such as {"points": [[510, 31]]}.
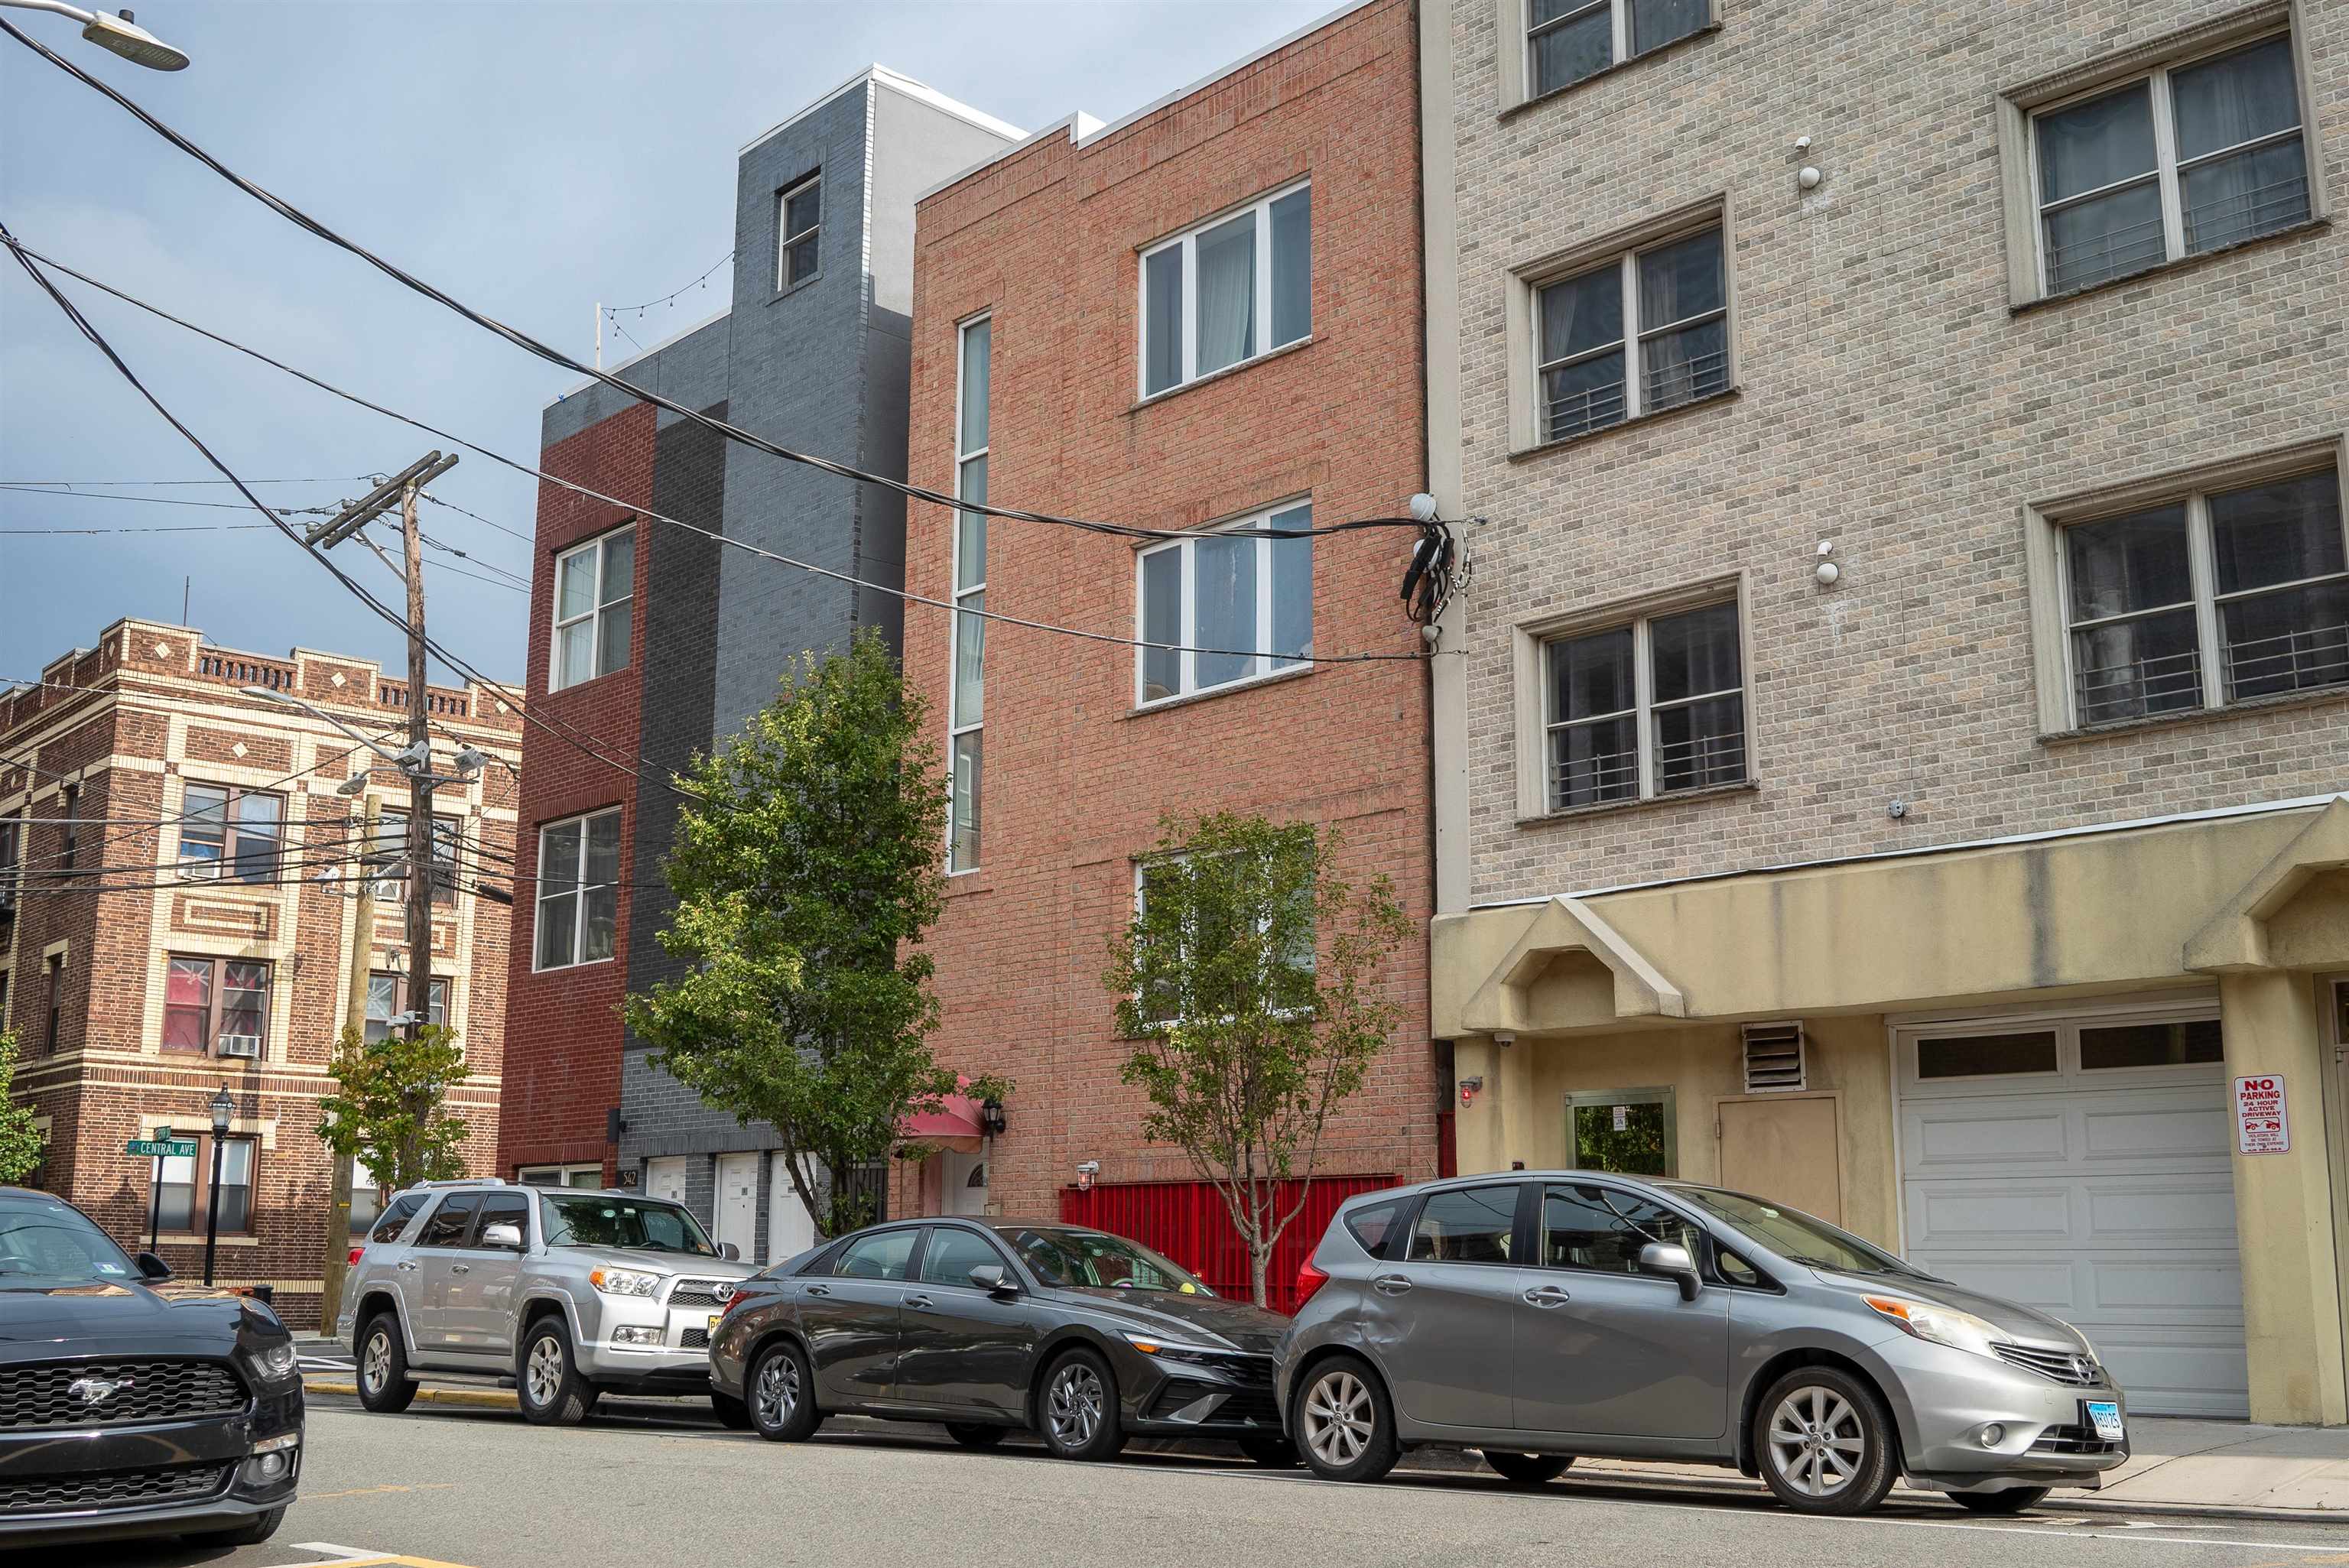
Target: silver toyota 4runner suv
{"points": [[560, 1294]]}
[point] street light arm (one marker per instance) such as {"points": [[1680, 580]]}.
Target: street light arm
{"points": [[75, 11]]}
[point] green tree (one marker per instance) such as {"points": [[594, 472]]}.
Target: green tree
{"points": [[20, 1142], [390, 1103], [806, 869], [1247, 979]]}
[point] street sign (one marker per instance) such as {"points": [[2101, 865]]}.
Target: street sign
{"points": [[162, 1148], [2261, 1124]]}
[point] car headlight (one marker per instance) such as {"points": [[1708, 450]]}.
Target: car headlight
{"points": [[1940, 1325], [1167, 1349], [272, 1363], [624, 1282]]}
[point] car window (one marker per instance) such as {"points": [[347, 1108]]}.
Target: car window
{"points": [[47, 1240], [1095, 1260], [881, 1255], [1734, 1269], [952, 1252], [447, 1226], [576, 1219], [1586, 1226], [503, 1208], [1471, 1225], [1373, 1226], [395, 1219]]}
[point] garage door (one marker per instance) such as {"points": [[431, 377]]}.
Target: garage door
{"points": [[2080, 1165]]}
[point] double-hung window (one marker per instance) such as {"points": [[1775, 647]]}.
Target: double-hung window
{"points": [[578, 888], [1641, 332], [1225, 292], [209, 1002], [2210, 598], [592, 583], [799, 222], [965, 705], [185, 1200], [230, 835], [388, 999], [389, 856], [1648, 706], [1567, 40], [1225, 605], [2193, 157]]}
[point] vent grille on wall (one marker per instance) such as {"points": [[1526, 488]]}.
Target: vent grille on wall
{"points": [[1774, 1057]]}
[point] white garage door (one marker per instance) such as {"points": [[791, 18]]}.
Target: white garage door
{"points": [[2080, 1166]]}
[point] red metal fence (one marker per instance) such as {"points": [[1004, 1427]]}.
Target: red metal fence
{"points": [[1187, 1221]]}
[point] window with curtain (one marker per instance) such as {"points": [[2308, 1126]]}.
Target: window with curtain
{"points": [[388, 999], [186, 1188], [1567, 41], [2210, 599], [578, 890], [593, 587], [1651, 706], [205, 999], [1225, 293], [2189, 158], [1225, 605], [965, 703], [1661, 310]]}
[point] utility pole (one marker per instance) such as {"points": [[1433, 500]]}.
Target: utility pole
{"points": [[355, 1001]]}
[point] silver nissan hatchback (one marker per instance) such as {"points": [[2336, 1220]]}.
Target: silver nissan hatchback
{"points": [[1539, 1316]]}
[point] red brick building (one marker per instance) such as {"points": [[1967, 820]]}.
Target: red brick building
{"points": [[1205, 317], [164, 931]]}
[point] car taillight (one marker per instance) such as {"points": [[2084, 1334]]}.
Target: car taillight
{"points": [[356, 1253], [1308, 1280]]}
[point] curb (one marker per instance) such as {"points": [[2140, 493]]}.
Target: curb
{"points": [[480, 1399]]}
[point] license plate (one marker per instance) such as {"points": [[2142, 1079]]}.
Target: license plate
{"points": [[2105, 1417], [716, 1315]]}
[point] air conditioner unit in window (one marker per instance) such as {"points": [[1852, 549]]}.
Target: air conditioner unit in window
{"points": [[197, 871], [239, 1046], [1774, 1057]]}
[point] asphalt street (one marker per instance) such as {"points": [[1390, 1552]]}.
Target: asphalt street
{"points": [[655, 1483]]}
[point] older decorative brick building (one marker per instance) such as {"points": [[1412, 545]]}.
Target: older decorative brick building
{"points": [[164, 931], [1205, 318]]}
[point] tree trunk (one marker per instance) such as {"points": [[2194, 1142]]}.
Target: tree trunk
{"points": [[1257, 1257]]}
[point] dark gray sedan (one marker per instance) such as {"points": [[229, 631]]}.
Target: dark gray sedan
{"points": [[989, 1326]]}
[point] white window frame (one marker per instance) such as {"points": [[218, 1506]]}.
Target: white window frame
{"points": [[956, 726], [577, 892], [1187, 659], [2194, 492], [562, 1174], [784, 242], [593, 614], [1261, 208], [1142, 867]]}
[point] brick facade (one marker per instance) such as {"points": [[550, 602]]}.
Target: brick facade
{"points": [[1076, 779], [130, 724]]}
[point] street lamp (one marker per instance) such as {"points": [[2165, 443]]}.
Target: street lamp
{"points": [[224, 1109], [118, 34]]}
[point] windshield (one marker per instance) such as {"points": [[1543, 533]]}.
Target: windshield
{"points": [[1096, 1259], [41, 1238], [1793, 1235], [596, 1220]]}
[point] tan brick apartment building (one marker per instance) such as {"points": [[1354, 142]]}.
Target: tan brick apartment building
{"points": [[1898, 760], [163, 932], [1205, 317]]}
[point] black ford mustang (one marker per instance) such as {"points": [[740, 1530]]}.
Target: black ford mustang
{"points": [[128, 1410], [989, 1325]]}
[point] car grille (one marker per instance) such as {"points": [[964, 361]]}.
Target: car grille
{"points": [[2063, 1366], [44, 1395], [111, 1488], [694, 1339], [702, 1293], [1255, 1407], [2073, 1440]]}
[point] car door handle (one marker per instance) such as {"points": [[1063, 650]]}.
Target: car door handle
{"points": [[1391, 1285], [1548, 1296], [461, 1268], [919, 1302], [818, 1290], [407, 1264]]}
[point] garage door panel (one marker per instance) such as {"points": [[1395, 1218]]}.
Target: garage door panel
{"points": [[2161, 1133], [1976, 1133], [2176, 1212], [1969, 1215], [2207, 1291]]}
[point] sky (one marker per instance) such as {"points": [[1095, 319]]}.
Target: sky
{"points": [[530, 158]]}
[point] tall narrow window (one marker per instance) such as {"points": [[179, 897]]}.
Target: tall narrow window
{"points": [[592, 586], [1567, 40], [11, 856], [1227, 291], [1224, 604], [799, 222], [1641, 333], [56, 999], [1651, 707], [578, 890], [966, 704], [70, 808]]}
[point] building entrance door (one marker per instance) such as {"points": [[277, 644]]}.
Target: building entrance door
{"points": [[965, 1183], [738, 1202], [666, 1179], [1627, 1130]]}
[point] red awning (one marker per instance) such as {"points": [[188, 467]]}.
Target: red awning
{"points": [[954, 1125]]}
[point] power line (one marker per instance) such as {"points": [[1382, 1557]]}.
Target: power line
{"points": [[476, 516], [133, 484], [158, 528], [167, 501]]}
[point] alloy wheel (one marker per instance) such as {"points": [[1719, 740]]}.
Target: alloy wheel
{"points": [[778, 1393], [1338, 1418], [1816, 1442], [375, 1366], [543, 1375], [1072, 1406]]}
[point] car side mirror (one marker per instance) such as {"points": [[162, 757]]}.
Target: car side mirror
{"points": [[729, 1252], [151, 1267], [990, 1278], [501, 1235], [1672, 1262]]}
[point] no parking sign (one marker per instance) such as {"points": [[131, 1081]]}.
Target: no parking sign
{"points": [[2261, 1125]]}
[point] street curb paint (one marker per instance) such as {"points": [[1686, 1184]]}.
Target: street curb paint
{"points": [[482, 1399]]}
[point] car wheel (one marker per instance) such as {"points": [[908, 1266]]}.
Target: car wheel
{"points": [[782, 1395], [383, 1388], [1825, 1442], [731, 1412], [974, 1434], [1526, 1470], [253, 1532], [1078, 1410], [1345, 1428], [1271, 1451], [2013, 1500], [553, 1394]]}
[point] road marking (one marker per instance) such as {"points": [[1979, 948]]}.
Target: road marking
{"points": [[341, 1554], [372, 1490], [358, 1557]]}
